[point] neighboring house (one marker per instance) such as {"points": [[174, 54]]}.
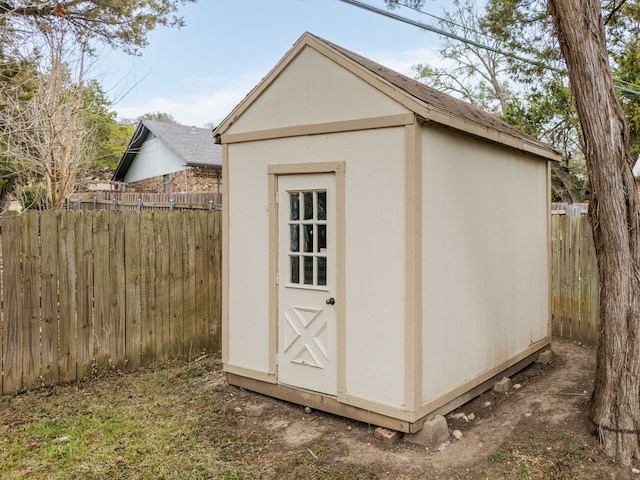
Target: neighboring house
{"points": [[169, 158], [386, 246]]}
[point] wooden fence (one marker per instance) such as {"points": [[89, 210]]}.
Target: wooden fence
{"points": [[86, 291], [143, 201], [575, 297]]}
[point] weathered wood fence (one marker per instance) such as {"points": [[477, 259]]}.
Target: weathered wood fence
{"points": [[574, 300], [84, 291], [143, 201]]}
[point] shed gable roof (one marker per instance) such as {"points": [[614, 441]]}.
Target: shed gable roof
{"points": [[426, 102], [193, 146]]}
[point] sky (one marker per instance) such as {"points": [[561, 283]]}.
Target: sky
{"points": [[200, 72]]}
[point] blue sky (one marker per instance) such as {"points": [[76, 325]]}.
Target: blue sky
{"points": [[200, 72]]}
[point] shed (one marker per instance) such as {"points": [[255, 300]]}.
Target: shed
{"points": [[386, 246], [164, 157]]}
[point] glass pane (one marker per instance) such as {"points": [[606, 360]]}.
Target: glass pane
{"points": [[294, 236], [322, 271], [322, 238], [308, 205], [295, 269], [308, 270], [308, 238], [294, 199], [322, 205]]}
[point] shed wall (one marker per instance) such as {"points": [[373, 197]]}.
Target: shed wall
{"points": [[313, 90], [485, 257], [154, 159], [374, 243]]}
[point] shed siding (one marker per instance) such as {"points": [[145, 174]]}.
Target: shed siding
{"points": [[485, 257], [374, 251], [375, 232], [313, 90], [154, 159], [248, 253]]}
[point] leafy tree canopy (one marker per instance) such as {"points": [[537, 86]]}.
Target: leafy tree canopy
{"points": [[121, 24], [158, 117]]}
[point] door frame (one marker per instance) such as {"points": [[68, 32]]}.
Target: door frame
{"points": [[273, 172]]}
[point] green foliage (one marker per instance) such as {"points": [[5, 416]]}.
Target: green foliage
{"points": [[121, 24], [158, 117], [34, 197], [109, 136]]}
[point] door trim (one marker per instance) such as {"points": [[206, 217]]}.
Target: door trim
{"points": [[273, 171]]}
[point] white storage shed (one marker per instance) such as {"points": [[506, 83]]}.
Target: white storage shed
{"points": [[386, 246]]}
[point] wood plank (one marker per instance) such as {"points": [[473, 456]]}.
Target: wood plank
{"points": [[148, 282], [101, 289], [84, 293], [132, 254], [189, 286], [176, 279], [555, 280], [49, 253], [117, 290], [30, 300], [163, 319], [67, 295], [12, 331], [203, 290], [215, 282]]}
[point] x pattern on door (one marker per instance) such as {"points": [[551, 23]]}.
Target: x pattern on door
{"points": [[306, 336]]}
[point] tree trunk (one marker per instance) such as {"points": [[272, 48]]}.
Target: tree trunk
{"points": [[614, 215]]}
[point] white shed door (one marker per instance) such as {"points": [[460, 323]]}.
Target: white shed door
{"points": [[307, 282]]}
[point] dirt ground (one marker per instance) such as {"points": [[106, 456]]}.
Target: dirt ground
{"points": [[540, 429]]}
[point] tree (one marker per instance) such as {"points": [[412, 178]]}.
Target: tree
{"points": [[47, 136], [120, 24], [109, 136], [614, 212], [158, 117], [615, 219]]}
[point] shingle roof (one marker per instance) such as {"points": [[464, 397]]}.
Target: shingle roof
{"points": [[194, 146], [440, 101]]}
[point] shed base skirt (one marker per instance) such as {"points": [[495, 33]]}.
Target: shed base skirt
{"points": [[330, 404]]}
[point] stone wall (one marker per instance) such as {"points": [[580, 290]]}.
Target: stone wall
{"points": [[191, 180]]}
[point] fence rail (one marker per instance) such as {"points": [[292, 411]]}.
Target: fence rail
{"points": [[143, 201], [575, 287], [97, 290]]}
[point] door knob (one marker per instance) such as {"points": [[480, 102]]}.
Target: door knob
{"points": [[331, 301]]}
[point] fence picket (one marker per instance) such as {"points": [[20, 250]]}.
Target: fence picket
{"points": [[176, 307], [147, 289], [49, 323], [117, 291], [30, 287], [132, 293], [102, 290], [12, 360], [67, 296]]}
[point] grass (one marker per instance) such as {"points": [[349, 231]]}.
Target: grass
{"points": [[182, 421], [160, 423]]}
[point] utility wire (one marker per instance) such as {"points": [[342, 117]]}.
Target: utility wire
{"points": [[482, 46]]}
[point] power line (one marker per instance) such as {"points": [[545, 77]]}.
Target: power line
{"points": [[467, 41]]}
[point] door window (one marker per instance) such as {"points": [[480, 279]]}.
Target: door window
{"points": [[308, 238]]}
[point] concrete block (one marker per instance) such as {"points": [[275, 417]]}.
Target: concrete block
{"points": [[545, 357], [434, 433], [503, 385], [389, 436]]}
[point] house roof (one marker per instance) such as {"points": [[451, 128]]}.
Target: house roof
{"points": [[193, 146], [426, 102]]}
